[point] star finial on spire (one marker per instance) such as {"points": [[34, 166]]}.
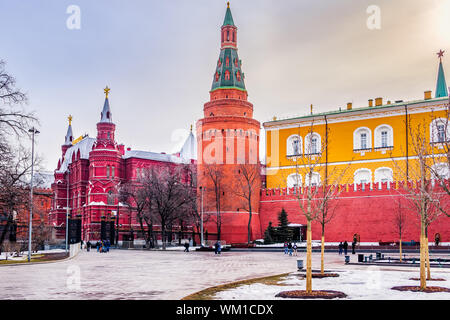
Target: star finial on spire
{"points": [[70, 119], [107, 91], [191, 127], [440, 54]]}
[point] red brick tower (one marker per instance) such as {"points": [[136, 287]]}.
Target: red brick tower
{"points": [[228, 138]]}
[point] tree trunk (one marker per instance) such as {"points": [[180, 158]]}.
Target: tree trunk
{"points": [[428, 259], [423, 281], [163, 237], [322, 253], [249, 229], [400, 247], [308, 258]]}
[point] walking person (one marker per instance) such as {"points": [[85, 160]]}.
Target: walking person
{"points": [[295, 249], [341, 246], [98, 246], [88, 246], [216, 247], [285, 247], [186, 247], [345, 247], [353, 246], [290, 248], [219, 247]]}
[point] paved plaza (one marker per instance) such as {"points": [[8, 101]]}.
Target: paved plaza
{"points": [[133, 274]]}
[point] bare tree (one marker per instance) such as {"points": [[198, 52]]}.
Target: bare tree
{"points": [[423, 194], [13, 120], [248, 183], [214, 173], [135, 197], [14, 191], [170, 197], [315, 200]]}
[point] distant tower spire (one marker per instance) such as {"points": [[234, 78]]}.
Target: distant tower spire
{"points": [[69, 134], [441, 86], [106, 115]]}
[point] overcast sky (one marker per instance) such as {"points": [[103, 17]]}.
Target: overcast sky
{"points": [[158, 58]]}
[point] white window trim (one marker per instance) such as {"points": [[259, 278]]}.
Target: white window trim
{"points": [[290, 149], [390, 137], [314, 174], [360, 170], [377, 178], [300, 180], [434, 131], [357, 138], [308, 138]]}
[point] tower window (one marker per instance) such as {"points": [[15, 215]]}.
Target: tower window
{"points": [[228, 35]]}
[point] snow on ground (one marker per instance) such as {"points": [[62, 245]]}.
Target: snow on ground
{"points": [[370, 284], [24, 254]]}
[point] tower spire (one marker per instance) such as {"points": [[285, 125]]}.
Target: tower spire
{"points": [[228, 70], [69, 134], [441, 86], [106, 115]]}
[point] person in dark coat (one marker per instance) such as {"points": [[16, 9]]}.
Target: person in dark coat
{"points": [[341, 246], [88, 246], [216, 247], [186, 247], [345, 247], [353, 247], [290, 248]]}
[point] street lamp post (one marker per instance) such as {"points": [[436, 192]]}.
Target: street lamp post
{"points": [[67, 210], [30, 226], [201, 219]]}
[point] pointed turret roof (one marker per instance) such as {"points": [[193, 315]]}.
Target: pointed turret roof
{"points": [[228, 17], [106, 115], [228, 70], [69, 134], [189, 149], [441, 86]]}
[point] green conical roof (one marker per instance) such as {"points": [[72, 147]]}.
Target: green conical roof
{"points": [[228, 18], [228, 71], [441, 87]]}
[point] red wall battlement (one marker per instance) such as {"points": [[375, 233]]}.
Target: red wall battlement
{"points": [[366, 210]]}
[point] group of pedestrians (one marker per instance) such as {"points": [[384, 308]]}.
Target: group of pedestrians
{"points": [[290, 248], [102, 246], [343, 247]]}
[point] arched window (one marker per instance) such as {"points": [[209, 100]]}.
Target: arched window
{"points": [[217, 75], [227, 62], [313, 144], [384, 136], [441, 171], [227, 75], [294, 146], [363, 176], [362, 139], [383, 175], [110, 198], [238, 76], [314, 180], [439, 130], [294, 180]]}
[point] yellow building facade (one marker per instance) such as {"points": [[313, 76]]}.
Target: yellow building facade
{"points": [[370, 144]]}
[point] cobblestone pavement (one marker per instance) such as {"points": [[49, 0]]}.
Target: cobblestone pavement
{"points": [[132, 274]]}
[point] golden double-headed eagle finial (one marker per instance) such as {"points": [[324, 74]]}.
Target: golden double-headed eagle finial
{"points": [[70, 119], [107, 90]]}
